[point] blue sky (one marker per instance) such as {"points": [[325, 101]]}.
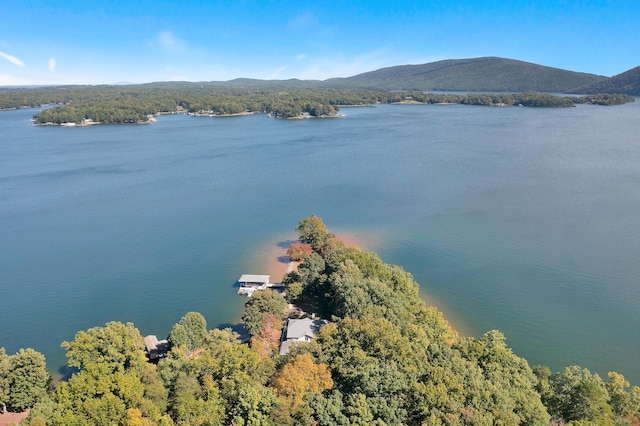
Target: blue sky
{"points": [[97, 42]]}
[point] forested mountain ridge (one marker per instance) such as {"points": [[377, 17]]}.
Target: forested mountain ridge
{"points": [[484, 74], [385, 358], [487, 74], [627, 83]]}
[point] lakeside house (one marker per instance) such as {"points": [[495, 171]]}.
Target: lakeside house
{"points": [[299, 330], [156, 349]]}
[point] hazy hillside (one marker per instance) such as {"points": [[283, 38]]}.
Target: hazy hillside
{"points": [[627, 83], [488, 74]]}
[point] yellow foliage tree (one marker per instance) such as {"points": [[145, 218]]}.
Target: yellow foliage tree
{"points": [[134, 418], [299, 377]]}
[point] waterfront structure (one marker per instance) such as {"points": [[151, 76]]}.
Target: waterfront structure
{"points": [[250, 283], [156, 349]]}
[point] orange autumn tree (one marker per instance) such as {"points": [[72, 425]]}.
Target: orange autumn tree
{"points": [[299, 377], [266, 342], [297, 251]]}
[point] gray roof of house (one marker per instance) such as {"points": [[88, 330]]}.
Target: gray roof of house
{"points": [[297, 328], [285, 346]]}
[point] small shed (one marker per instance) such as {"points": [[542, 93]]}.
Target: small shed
{"points": [[156, 349], [258, 282]]}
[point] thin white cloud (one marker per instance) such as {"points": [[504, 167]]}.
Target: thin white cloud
{"points": [[300, 57], [303, 21], [12, 59], [52, 64], [168, 40], [276, 73]]}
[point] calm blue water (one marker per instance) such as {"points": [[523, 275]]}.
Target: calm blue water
{"points": [[524, 220]]}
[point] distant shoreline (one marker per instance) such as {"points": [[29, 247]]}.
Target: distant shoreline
{"points": [[207, 115], [213, 114]]}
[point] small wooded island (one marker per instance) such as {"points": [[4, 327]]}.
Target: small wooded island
{"points": [[378, 356]]}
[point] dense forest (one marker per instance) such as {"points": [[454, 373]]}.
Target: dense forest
{"points": [[627, 82], [485, 74], [136, 104], [384, 357]]}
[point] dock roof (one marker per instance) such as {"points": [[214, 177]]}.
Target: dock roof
{"points": [[249, 278]]}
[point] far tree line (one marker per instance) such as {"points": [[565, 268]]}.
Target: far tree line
{"points": [[135, 104]]}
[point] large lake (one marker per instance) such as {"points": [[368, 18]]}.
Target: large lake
{"points": [[521, 219]]}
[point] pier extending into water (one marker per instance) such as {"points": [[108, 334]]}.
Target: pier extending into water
{"points": [[250, 283]]}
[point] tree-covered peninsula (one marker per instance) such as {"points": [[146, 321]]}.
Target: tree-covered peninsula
{"points": [[381, 357], [83, 105]]}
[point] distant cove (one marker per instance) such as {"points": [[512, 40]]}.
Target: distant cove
{"points": [[525, 220]]}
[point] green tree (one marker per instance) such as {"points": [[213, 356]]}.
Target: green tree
{"points": [[260, 304], [511, 377], [117, 346], [42, 412], [195, 403], [327, 408], [580, 396], [371, 357], [109, 384], [312, 230], [29, 379], [294, 290], [190, 331], [358, 411], [95, 395], [252, 405], [223, 383], [311, 269], [154, 390], [621, 401], [543, 384], [5, 368]]}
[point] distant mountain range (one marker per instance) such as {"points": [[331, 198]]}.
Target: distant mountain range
{"points": [[477, 74], [488, 74]]}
